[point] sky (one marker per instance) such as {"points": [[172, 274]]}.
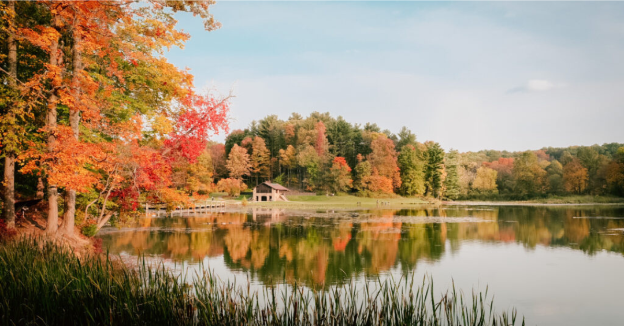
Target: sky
{"points": [[469, 75]]}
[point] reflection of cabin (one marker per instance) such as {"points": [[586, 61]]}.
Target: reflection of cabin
{"points": [[267, 216], [267, 191]]}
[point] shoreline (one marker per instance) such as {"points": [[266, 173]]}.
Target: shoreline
{"points": [[522, 203]]}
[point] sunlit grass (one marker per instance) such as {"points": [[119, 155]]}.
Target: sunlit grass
{"points": [[42, 284], [344, 201], [580, 199]]}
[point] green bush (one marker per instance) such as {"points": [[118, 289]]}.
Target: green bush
{"points": [[89, 229]]}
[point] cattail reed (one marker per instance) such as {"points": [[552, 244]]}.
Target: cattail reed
{"points": [[44, 284]]}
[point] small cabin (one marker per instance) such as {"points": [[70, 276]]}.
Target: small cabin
{"points": [[268, 191]]}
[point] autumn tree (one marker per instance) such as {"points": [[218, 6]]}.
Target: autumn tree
{"points": [[433, 169], [193, 177], [575, 176], [10, 113], [615, 173], [218, 159], [232, 186], [105, 74], [504, 168], [485, 180], [320, 145], [363, 171], [339, 177], [288, 159], [383, 158], [238, 163], [260, 159], [377, 183]]}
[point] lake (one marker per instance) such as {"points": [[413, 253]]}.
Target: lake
{"points": [[558, 265]]}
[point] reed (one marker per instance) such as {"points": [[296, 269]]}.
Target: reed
{"points": [[44, 284]]}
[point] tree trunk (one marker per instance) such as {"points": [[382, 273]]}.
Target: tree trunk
{"points": [[52, 226], [9, 190], [9, 160], [69, 216], [40, 188]]}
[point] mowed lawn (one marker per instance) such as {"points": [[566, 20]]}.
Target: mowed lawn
{"points": [[344, 201]]}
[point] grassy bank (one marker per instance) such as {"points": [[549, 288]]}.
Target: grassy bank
{"points": [[344, 202], [550, 200], [397, 202], [42, 284], [580, 200]]}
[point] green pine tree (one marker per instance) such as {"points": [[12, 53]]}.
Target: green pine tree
{"points": [[433, 169], [412, 174], [452, 175]]}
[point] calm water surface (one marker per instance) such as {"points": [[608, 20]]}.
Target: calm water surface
{"points": [[556, 265]]}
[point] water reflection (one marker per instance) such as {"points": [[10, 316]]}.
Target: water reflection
{"points": [[274, 247]]}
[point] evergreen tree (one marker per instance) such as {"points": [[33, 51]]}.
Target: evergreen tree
{"points": [[412, 174], [433, 169], [406, 137], [452, 175]]}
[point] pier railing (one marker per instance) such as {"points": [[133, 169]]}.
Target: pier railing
{"points": [[198, 207]]}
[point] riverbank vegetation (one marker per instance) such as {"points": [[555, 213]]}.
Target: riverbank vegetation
{"points": [[43, 284]]}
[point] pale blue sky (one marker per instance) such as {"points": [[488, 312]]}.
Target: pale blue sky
{"points": [[470, 75]]}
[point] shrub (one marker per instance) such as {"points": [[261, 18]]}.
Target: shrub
{"points": [[232, 186], [89, 229]]}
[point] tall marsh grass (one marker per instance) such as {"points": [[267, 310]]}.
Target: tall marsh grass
{"points": [[43, 284]]}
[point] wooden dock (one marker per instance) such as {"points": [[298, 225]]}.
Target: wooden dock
{"points": [[199, 207]]}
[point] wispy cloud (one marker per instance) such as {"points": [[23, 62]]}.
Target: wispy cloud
{"points": [[537, 85], [445, 70]]}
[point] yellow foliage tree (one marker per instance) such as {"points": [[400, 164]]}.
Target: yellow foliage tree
{"points": [[485, 179]]}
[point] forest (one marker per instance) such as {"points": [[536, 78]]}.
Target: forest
{"points": [[95, 121], [324, 154]]}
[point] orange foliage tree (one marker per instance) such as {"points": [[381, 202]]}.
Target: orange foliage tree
{"points": [[105, 66], [232, 186], [575, 176], [340, 175], [378, 183], [384, 158]]}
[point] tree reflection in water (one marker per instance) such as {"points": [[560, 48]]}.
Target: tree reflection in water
{"points": [[318, 251]]}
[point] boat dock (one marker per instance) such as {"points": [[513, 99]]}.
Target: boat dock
{"points": [[156, 210]]}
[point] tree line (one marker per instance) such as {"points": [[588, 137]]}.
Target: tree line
{"points": [[330, 155]]}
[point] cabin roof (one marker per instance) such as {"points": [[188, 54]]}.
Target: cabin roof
{"points": [[275, 186]]}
